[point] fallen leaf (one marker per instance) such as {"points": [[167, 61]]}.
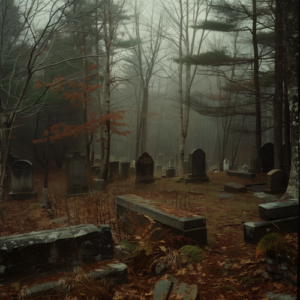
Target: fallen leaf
{"points": [[149, 294], [255, 288], [203, 274], [245, 261], [163, 248]]}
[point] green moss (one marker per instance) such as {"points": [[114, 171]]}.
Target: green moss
{"points": [[34, 206], [192, 253], [249, 280], [127, 246], [15, 285]]}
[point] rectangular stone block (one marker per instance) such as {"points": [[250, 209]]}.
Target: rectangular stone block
{"points": [[192, 227], [255, 231], [278, 210], [56, 249], [22, 196], [241, 174], [235, 188], [170, 173]]}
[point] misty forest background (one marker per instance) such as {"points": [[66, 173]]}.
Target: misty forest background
{"points": [[116, 78]]}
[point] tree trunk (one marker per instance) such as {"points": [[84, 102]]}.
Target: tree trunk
{"points": [[257, 92], [144, 112], [278, 157]]}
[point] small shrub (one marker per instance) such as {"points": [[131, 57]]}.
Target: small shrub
{"points": [[193, 254]]}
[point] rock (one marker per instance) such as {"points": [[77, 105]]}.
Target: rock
{"points": [[282, 267], [279, 296], [184, 291], [272, 261], [162, 290], [159, 268], [274, 270], [267, 275], [288, 274], [278, 276], [287, 283], [225, 196]]}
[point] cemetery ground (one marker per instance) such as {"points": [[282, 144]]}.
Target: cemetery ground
{"points": [[229, 269]]}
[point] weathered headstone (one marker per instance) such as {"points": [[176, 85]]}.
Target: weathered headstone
{"points": [[160, 160], [170, 173], [77, 174], [144, 169], [158, 167], [197, 167], [267, 157], [277, 181], [133, 163], [171, 163], [22, 181], [245, 168], [125, 167], [225, 165], [278, 210], [48, 250], [113, 170], [99, 185]]}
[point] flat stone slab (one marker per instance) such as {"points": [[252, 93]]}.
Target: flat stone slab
{"points": [[235, 188], [22, 196], [278, 210], [241, 174], [255, 231], [191, 227], [116, 272], [225, 196], [184, 291], [162, 290], [279, 296], [57, 249]]}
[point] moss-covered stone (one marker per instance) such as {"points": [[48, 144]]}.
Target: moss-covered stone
{"points": [[193, 254]]}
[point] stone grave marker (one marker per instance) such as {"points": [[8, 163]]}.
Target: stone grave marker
{"points": [[197, 167], [99, 185], [144, 169], [158, 167], [22, 181], [160, 159], [113, 170], [49, 250], [277, 181], [225, 165], [170, 173], [235, 188], [125, 167], [171, 163], [133, 163], [267, 157], [77, 175]]}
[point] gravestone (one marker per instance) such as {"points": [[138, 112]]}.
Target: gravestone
{"points": [[144, 169], [22, 181], [113, 170], [278, 210], [267, 157], [51, 250], [235, 188], [77, 175], [11, 159], [99, 184], [186, 167], [277, 181], [133, 163], [171, 163], [125, 167], [245, 168], [170, 173], [225, 165], [160, 160], [197, 167], [158, 167]]}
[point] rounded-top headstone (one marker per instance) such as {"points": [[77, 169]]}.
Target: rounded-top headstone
{"points": [[21, 176]]}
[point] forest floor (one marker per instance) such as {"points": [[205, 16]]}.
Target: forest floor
{"points": [[224, 218]]}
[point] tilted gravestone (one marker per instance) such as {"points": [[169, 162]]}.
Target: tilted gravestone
{"points": [[22, 181], [77, 174], [225, 165], [49, 250], [144, 169], [125, 167], [277, 181], [197, 167]]}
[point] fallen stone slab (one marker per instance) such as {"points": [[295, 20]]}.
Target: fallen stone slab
{"points": [[258, 187], [235, 188], [64, 248], [115, 272], [255, 231], [225, 196], [162, 290], [278, 210], [241, 174], [279, 296], [191, 227]]}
